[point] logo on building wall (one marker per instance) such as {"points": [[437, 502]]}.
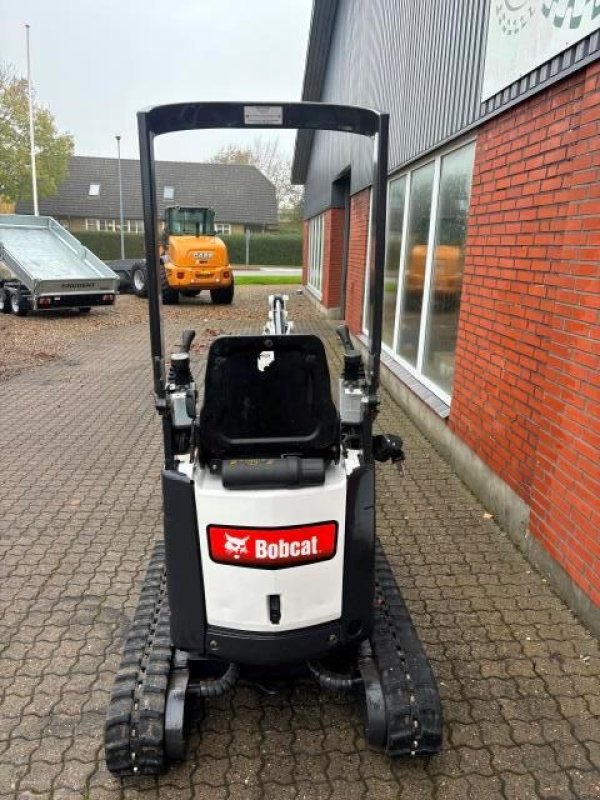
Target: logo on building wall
{"points": [[513, 15], [524, 34], [570, 13]]}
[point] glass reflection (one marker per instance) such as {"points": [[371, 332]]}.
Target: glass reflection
{"points": [[448, 266], [392, 257], [419, 211]]}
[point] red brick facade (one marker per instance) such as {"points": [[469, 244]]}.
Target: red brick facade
{"points": [[333, 249], [332, 258], [526, 389], [357, 255]]}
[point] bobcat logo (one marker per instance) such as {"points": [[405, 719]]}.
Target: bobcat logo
{"points": [[236, 546]]}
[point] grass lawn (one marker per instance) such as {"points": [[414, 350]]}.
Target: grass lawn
{"points": [[266, 280]]}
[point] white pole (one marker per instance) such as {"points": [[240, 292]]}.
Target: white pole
{"points": [[118, 138], [31, 132]]}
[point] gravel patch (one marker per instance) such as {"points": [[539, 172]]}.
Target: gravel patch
{"points": [[33, 340]]}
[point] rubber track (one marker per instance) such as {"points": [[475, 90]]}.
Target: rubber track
{"points": [[134, 729], [413, 707]]}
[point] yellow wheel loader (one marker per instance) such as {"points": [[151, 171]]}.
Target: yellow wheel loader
{"points": [[192, 258]]}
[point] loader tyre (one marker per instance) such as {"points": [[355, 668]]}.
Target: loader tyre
{"points": [[19, 305], [222, 297], [139, 280], [4, 302], [170, 296]]}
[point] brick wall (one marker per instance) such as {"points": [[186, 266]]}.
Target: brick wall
{"points": [[357, 254], [526, 388], [332, 258]]}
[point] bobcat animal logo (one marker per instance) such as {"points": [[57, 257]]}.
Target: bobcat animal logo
{"points": [[235, 545]]}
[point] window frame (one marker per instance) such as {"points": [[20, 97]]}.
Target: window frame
{"points": [[225, 228], [171, 195], [92, 224], [96, 190], [316, 254], [436, 159]]}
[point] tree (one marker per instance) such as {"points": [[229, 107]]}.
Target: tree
{"points": [[264, 154], [53, 150]]}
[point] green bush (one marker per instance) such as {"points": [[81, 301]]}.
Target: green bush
{"points": [[276, 249], [107, 246]]}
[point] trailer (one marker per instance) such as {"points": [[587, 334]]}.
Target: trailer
{"points": [[124, 268], [44, 267]]}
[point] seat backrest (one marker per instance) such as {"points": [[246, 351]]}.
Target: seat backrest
{"points": [[268, 396]]}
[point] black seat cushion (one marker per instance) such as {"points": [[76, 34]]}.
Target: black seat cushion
{"points": [[268, 395]]}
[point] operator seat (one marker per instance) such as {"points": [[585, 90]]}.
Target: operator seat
{"points": [[268, 396]]}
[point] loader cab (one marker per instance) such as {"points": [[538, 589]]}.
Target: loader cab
{"points": [[189, 221]]}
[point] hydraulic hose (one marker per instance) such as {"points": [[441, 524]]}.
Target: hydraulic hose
{"points": [[215, 687], [332, 681]]}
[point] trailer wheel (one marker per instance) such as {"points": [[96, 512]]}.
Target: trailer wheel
{"points": [[4, 302], [139, 281], [170, 296], [222, 297], [19, 305]]}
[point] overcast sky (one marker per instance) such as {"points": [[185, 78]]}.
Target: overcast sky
{"points": [[96, 62]]}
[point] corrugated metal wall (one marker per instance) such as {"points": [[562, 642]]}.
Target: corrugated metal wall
{"points": [[422, 60]]}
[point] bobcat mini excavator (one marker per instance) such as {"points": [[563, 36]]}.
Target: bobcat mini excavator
{"points": [[270, 563]]}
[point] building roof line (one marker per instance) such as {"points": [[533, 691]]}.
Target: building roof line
{"points": [[322, 24]]}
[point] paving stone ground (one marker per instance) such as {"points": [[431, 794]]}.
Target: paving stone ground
{"points": [[79, 510]]}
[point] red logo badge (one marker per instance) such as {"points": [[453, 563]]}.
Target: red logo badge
{"points": [[272, 548]]}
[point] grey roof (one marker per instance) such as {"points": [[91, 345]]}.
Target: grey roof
{"points": [[237, 192], [319, 40]]}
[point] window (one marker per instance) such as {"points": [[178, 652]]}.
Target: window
{"points": [[393, 247], [168, 193], [92, 224], [316, 243], [94, 190], [109, 225], [137, 226], [415, 259], [448, 266], [367, 286], [126, 226], [223, 228], [424, 261]]}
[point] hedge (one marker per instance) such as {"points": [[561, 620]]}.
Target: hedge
{"points": [[278, 249], [107, 246]]}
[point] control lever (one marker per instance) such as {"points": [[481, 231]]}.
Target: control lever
{"points": [[388, 447], [344, 335], [187, 337]]}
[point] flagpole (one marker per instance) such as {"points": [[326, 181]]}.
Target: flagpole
{"points": [[31, 132]]}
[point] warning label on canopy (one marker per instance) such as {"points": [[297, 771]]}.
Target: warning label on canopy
{"points": [[263, 115]]}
